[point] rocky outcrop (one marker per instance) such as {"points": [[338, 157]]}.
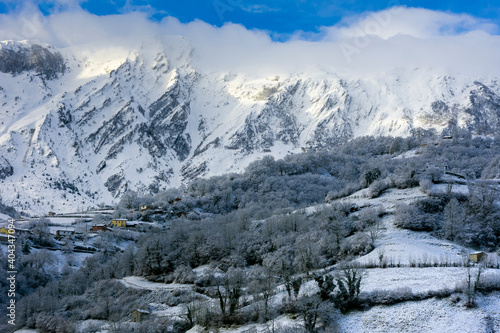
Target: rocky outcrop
{"points": [[6, 170], [16, 58], [484, 110]]}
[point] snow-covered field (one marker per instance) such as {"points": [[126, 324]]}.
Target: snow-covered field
{"points": [[418, 279], [62, 220], [432, 315], [401, 246], [4, 217]]}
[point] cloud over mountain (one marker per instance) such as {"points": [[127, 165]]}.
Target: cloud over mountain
{"points": [[373, 41]]}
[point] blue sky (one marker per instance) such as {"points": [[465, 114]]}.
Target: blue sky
{"points": [[278, 17]]}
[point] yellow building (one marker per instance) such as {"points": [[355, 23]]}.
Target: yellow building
{"points": [[119, 223], [478, 256], [4, 231], [144, 208]]}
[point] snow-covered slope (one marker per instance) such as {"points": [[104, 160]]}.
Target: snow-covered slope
{"points": [[147, 115]]}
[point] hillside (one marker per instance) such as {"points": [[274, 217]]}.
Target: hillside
{"points": [[274, 265]]}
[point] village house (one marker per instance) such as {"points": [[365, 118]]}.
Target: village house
{"points": [[139, 315], [144, 208], [181, 214], [17, 231], [52, 214], [119, 223], [65, 232], [99, 227], [478, 256], [174, 201]]}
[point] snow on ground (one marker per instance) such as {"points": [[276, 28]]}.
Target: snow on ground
{"points": [[432, 315], [62, 220], [276, 324], [206, 270], [408, 154], [401, 246], [4, 217], [61, 259], [388, 199], [141, 283], [91, 325], [455, 189], [161, 310], [418, 279]]}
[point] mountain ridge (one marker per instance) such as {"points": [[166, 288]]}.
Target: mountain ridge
{"points": [[149, 117]]}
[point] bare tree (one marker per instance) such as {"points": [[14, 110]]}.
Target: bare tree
{"points": [[40, 230], [309, 308], [453, 219], [229, 289], [472, 281], [316, 312], [263, 285], [375, 230]]}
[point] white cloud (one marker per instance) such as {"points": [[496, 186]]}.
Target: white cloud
{"points": [[415, 22], [129, 7], [380, 41]]}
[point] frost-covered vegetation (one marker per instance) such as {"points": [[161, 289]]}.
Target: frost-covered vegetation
{"points": [[240, 240]]}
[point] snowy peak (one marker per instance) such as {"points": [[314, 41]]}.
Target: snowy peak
{"points": [[88, 123]]}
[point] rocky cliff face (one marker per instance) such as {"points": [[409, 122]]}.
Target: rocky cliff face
{"points": [[82, 130], [16, 58], [6, 169]]}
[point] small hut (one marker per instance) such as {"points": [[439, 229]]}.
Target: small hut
{"points": [[139, 315], [478, 256]]}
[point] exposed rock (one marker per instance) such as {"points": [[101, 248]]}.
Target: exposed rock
{"points": [[100, 166], [6, 170], [114, 183], [16, 58]]}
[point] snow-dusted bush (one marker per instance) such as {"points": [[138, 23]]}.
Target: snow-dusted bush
{"points": [[410, 217], [184, 274], [368, 217], [426, 185], [48, 323], [399, 295], [377, 188], [492, 171], [360, 244]]}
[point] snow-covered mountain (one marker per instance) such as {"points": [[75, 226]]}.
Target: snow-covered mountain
{"points": [[81, 125]]}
